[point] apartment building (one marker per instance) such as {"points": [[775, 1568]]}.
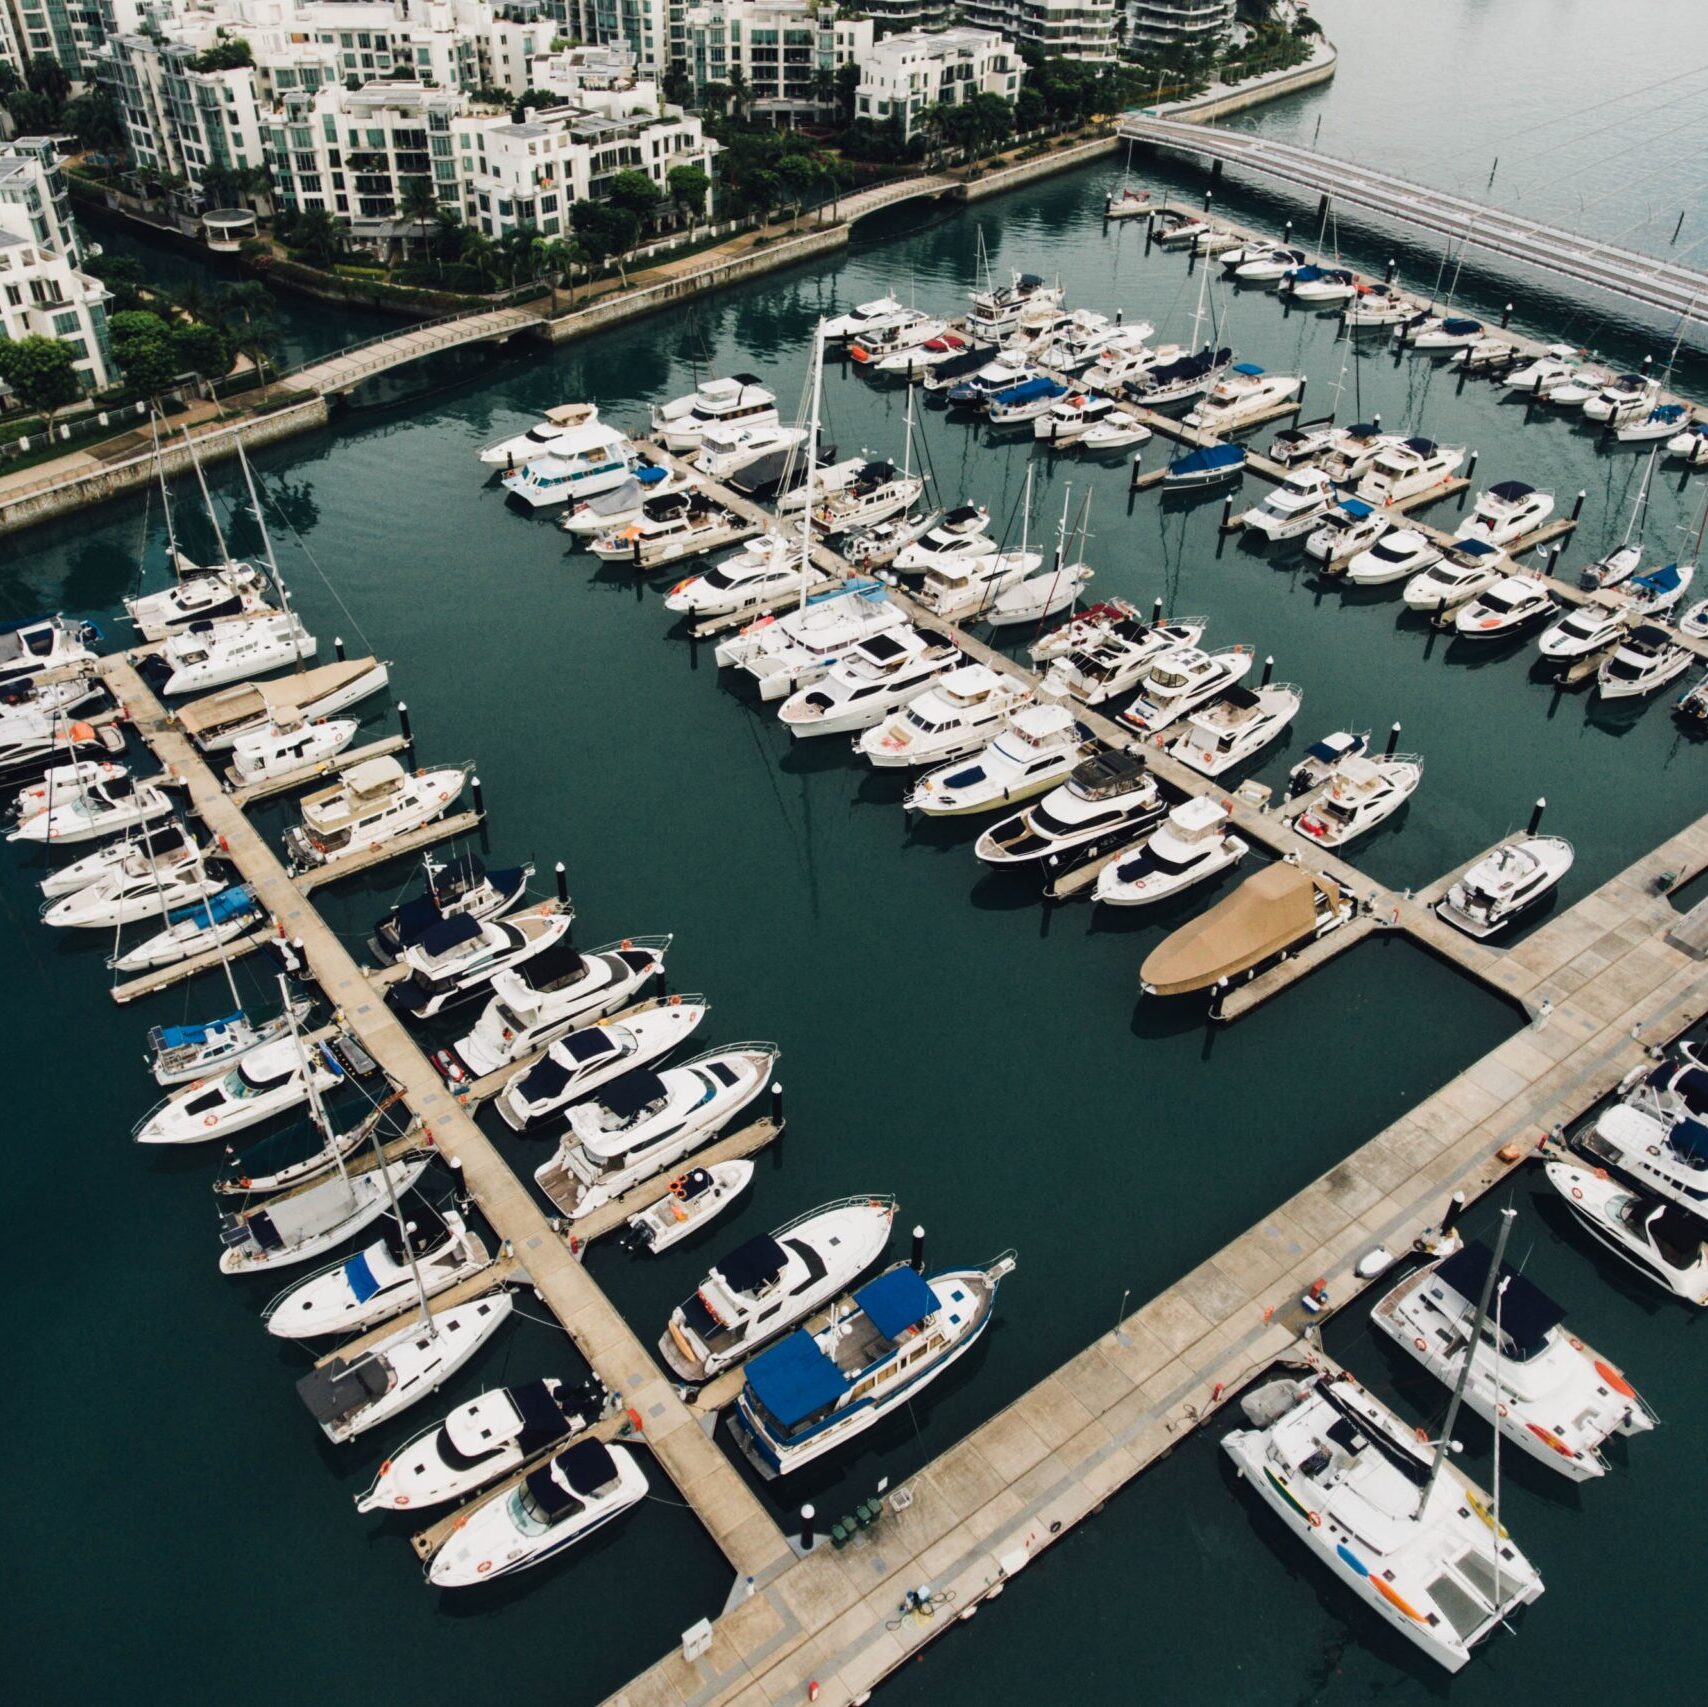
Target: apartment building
{"points": [[1177, 23], [1069, 29], [905, 74], [784, 52]]}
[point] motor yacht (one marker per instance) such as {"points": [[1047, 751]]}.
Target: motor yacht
{"points": [[1404, 470], [1276, 910], [455, 888], [1244, 392], [1692, 706], [561, 1503], [1694, 622], [994, 313], [216, 722], [582, 1061], [879, 491], [1659, 590], [960, 712], [1038, 596], [948, 371], [1096, 622], [1236, 727], [1623, 398], [903, 333], [767, 1285], [61, 784], [349, 1396], [1070, 418], [1175, 228], [1019, 405], [1305, 443], [644, 1123], [491, 1435], [1663, 1155], [1643, 662], [1116, 653], [1321, 757], [37, 644], [33, 742], [1127, 203], [1318, 285], [1185, 377], [203, 595], [379, 1280], [1488, 354], [286, 747], [107, 807], [1041, 745], [880, 674], [213, 654], [1575, 392], [1439, 332], [1506, 512], [739, 401], [884, 1345], [1465, 569], [534, 1004], [1293, 507], [180, 1053], [768, 572], [1504, 885], [829, 479], [1663, 1242], [881, 543], [1583, 630], [522, 447], [964, 586], [1664, 421], [1269, 266], [726, 451], [139, 887], [309, 1220], [200, 928], [792, 651], [369, 805], [1347, 460], [1004, 370], [1357, 795], [1394, 1521], [1615, 567], [267, 1081], [457, 959], [864, 317], [1109, 799], [1513, 603], [1085, 337], [1377, 305], [670, 528], [1181, 680], [1691, 445], [1347, 532], [1116, 430], [579, 465], [592, 518], [958, 533], [694, 1199], [1540, 375], [1191, 845]]}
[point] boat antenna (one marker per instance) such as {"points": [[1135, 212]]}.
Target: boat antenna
{"points": [[1198, 313], [1508, 1216], [201, 481], [1061, 526], [295, 627], [907, 436], [812, 457]]}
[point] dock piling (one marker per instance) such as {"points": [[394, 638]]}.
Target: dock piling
{"points": [[1209, 196], [1133, 482], [1470, 475], [808, 1533], [403, 724], [1393, 268], [916, 1261], [1268, 670], [1506, 317], [562, 885], [1156, 611], [1577, 507], [1227, 512], [1536, 812], [1455, 1208], [479, 804], [777, 1104], [338, 647], [1393, 742]]}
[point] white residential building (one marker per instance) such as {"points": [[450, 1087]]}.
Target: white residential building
{"points": [[785, 51], [42, 291], [1070, 29], [904, 74], [910, 14], [1176, 23]]}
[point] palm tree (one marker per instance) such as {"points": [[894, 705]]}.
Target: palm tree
{"points": [[420, 204]]}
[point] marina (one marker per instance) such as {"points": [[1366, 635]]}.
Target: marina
{"points": [[1382, 1073]]}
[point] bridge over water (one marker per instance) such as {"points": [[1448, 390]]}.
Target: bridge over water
{"points": [[1664, 286]]}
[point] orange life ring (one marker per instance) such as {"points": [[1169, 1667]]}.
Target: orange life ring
{"points": [[1601, 1173], [676, 1001], [635, 1420], [210, 1120], [1316, 1519], [483, 1567], [401, 1500], [1577, 1192], [1421, 1343], [1500, 1410]]}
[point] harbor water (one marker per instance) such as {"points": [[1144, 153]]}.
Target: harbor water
{"points": [[181, 1529]]}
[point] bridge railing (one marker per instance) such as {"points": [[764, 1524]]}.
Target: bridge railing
{"points": [[409, 331]]}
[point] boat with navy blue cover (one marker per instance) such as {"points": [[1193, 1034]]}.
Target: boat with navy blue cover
{"points": [[1184, 377], [460, 885], [459, 957], [883, 1346], [1319, 284], [1209, 466]]}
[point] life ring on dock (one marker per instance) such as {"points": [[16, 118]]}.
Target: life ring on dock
{"points": [[635, 1420], [210, 1120], [1316, 1519], [1421, 1343]]}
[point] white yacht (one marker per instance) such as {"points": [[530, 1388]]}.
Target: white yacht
{"points": [[922, 360], [792, 651], [1353, 451], [1116, 652], [1615, 567], [964, 585], [1023, 403], [1293, 507], [1583, 630], [878, 491], [1268, 266], [1548, 1393], [1500, 888], [1357, 795], [1037, 597], [267, 1081], [884, 1344], [691, 1203], [1321, 757], [308, 1220], [1004, 370], [1622, 398], [1087, 338], [1659, 1239], [286, 745], [41, 643], [1691, 445], [1439, 332], [1575, 392], [541, 437], [767, 1285], [1663, 421], [59, 785], [217, 721], [903, 335], [727, 450], [1096, 622], [213, 654], [1316, 284], [1070, 418], [106, 807], [669, 529], [378, 1281], [879, 675], [958, 533], [592, 518], [1642, 663], [227, 917], [369, 805], [180, 1053], [1116, 430], [1244, 392], [959, 713], [1660, 1144], [1468, 567], [581, 1061], [1191, 845], [1377, 305], [1542, 374], [864, 317], [543, 999], [1506, 512], [767, 572], [1236, 727], [580, 464], [1181, 680], [1305, 442], [200, 595], [455, 886], [1040, 746], [741, 400], [458, 958], [140, 886], [492, 1435], [349, 1396], [1347, 532], [562, 1502], [994, 313], [1511, 604], [1404, 470], [1658, 590], [641, 1125], [1109, 799], [1174, 227], [828, 480], [1389, 1515]]}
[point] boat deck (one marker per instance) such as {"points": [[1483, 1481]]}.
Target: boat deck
{"points": [[246, 794]]}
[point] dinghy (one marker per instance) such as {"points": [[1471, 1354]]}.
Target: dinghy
{"points": [[694, 1199]]}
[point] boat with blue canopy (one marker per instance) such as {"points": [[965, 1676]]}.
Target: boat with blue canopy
{"points": [[1208, 466]]}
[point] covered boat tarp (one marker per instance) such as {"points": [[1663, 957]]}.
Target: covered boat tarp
{"points": [[1424, 447], [967, 361], [1689, 1141], [1205, 464], [1357, 508], [249, 699], [1269, 912], [555, 966], [1661, 581], [896, 1301], [1527, 1314], [443, 935], [359, 1276], [550, 1076], [1461, 328], [192, 1036], [754, 1265], [541, 1412], [1027, 391], [794, 1379], [587, 1466], [1511, 491], [1250, 369], [227, 905], [627, 1095], [338, 1389]]}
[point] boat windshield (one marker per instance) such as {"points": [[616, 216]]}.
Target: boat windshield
{"points": [[1500, 603], [1161, 678], [526, 1512]]}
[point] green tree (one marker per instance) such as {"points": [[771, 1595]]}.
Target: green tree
{"points": [[678, 86], [95, 119], [319, 236], [636, 193], [419, 203], [606, 231], [142, 343], [122, 277], [40, 372], [201, 350], [715, 99], [244, 313], [689, 187], [847, 80]]}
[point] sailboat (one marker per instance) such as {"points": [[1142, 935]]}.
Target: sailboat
{"points": [[1412, 1537], [1038, 597]]}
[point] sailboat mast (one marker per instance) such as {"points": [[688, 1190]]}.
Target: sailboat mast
{"points": [[207, 500], [1508, 1216], [812, 459], [165, 495], [403, 1231], [316, 1108], [272, 561], [207, 906], [1500, 1299]]}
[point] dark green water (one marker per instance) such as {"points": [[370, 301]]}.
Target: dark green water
{"points": [[183, 1524]]}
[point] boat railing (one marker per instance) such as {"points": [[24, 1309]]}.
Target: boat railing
{"points": [[857, 1200], [747, 1046]]}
